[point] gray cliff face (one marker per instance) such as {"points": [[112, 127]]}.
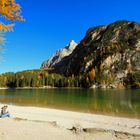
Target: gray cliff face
{"points": [[59, 55], [113, 51]]}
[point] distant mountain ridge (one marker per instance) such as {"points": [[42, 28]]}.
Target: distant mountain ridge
{"points": [[59, 55]]}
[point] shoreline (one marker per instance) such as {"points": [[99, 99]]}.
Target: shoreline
{"points": [[50, 87], [121, 115], [45, 87], [68, 119]]}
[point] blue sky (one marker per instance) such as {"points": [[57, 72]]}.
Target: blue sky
{"points": [[51, 24]]}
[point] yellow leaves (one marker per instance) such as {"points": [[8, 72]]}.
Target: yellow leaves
{"points": [[46, 75], [138, 84], [6, 28], [92, 73], [101, 68], [10, 10], [87, 79]]}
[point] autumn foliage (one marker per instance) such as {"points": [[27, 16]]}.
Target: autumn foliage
{"points": [[92, 74], [6, 28], [10, 10]]}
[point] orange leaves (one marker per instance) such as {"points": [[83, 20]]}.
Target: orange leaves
{"points": [[92, 73], [90, 76], [10, 10], [6, 28]]}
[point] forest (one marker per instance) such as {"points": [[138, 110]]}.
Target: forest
{"points": [[39, 78], [44, 78]]}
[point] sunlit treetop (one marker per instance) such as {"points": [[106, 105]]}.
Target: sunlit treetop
{"points": [[10, 10]]}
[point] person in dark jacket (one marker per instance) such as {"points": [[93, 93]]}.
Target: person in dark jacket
{"points": [[4, 112]]}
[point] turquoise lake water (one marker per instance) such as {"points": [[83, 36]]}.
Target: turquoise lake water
{"points": [[110, 102]]}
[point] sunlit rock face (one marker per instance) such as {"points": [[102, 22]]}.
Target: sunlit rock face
{"points": [[59, 55]]}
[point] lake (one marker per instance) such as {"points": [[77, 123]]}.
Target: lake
{"points": [[109, 102]]}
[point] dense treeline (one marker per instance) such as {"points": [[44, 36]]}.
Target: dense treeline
{"points": [[43, 78], [39, 78]]}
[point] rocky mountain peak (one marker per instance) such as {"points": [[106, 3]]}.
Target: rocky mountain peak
{"points": [[71, 45], [59, 55]]}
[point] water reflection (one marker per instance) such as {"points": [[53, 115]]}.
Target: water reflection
{"points": [[111, 102]]}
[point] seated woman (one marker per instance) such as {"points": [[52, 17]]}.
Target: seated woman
{"points": [[4, 112]]}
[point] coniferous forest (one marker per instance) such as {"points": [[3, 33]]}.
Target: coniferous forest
{"points": [[39, 78], [44, 78]]}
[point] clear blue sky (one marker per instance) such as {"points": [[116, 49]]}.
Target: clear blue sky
{"points": [[51, 24]]}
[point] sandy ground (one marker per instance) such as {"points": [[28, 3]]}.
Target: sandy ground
{"points": [[34, 123]]}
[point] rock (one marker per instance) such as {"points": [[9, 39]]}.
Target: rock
{"points": [[59, 55], [94, 86]]}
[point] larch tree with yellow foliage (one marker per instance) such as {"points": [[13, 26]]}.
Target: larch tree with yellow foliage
{"points": [[11, 11]]}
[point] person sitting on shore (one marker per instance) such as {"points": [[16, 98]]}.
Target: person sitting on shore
{"points": [[4, 112]]}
